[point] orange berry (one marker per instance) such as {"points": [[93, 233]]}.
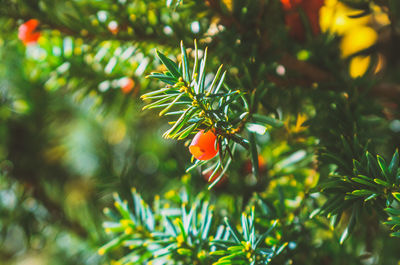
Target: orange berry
{"points": [[113, 27], [126, 85], [293, 19], [203, 146], [289, 4], [220, 183], [26, 32], [262, 166]]}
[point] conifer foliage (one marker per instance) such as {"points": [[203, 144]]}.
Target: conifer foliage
{"points": [[276, 139]]}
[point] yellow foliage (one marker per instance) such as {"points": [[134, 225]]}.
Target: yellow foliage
{"points": [[335, 18], [359, 65], [228, 4], [379, 16], [357, 40]]}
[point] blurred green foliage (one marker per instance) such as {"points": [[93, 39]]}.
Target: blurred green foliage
{"points": [[71, 137]]}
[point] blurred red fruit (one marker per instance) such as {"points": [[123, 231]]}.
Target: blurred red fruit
{"points": [[293, 18], [220, 183], [289, 4], [126, 85], [262, 166], [113, 27], [26, 32], [203, 146]]}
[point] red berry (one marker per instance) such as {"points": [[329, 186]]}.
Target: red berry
{"points": [[262, 166], [293, 19], [220, 183], [289, 4], [113, 27], [126, 85], [203, 146], [26, 32]]}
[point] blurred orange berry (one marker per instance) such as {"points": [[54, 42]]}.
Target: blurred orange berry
{"points": [[289, 4], [220, 183], [203, 146], [113, 27], [126, 85], [26, 32], [293, 18], [262, 166]]}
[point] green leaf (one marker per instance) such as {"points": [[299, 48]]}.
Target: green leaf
{"points": [[364, 182], [158, 102], [236, 235], [157, 92], [205, 228], [346, 146], [373, 196], [215, 171], [350, 227], [179, 223], [167, 104], [256, 128], [281, 248], [245, 226], [393, 220], [196, 60], [394, 164], [171, 65], [393, 211], [314, 213], [116, 242], [180, 123], [219, 252], [214, 82], [224, 262], [122, 207], [221, 82], [357, 167], [185, 63], [331, 184], [365, 177], [221, 175], [202, 75], [332, 204], [231, 256], [267, 120], [335, 219], [169, 225], [264, 235], [188, 130], [384, 168], [254, 154], [184, 251], [164, 78], [196, 164], [372, 165], [396, 195], [337, 160], [170, 105], [362, 192], [235, 248], [382, 182]]}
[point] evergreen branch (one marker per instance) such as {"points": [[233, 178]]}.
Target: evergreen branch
{"points": [[373, 185], [212, 106], [150, 234]]}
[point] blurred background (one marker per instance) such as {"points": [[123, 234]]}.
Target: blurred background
{"points": [[72, 132]]}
